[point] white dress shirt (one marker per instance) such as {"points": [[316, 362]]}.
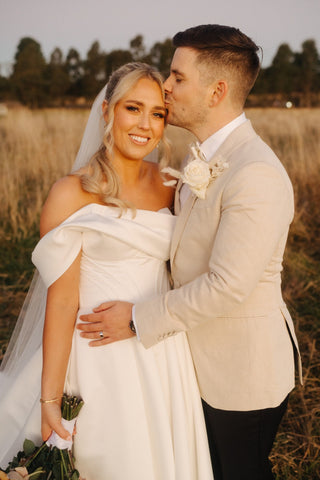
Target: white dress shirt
{"points": [[211, 145]]}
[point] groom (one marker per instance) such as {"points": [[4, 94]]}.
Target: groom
{"points": [[226, 258]]}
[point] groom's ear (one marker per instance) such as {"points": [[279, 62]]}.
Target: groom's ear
{"points": [[105, 110], [218, 92]]}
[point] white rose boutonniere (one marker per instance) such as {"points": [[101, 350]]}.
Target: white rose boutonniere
{"points": [[198, 174]]}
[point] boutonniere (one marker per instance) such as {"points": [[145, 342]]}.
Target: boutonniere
{"points": [[198, 174]]}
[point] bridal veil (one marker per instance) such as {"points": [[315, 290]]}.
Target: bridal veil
{"points": [[27, 335]]}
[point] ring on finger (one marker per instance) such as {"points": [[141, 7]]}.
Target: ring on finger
{"points": [[101, 334]]}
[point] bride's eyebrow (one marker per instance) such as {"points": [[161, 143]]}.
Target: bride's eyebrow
{"points": [[160, 108], [141, 104]]}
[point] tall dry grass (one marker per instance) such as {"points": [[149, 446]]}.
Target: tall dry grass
{"points": [[38, 147], [295, 136]]}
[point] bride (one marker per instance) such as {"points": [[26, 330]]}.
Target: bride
{"points": [[106, 230]]}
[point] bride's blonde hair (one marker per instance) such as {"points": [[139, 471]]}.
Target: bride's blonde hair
{"points": [[101, 178]]}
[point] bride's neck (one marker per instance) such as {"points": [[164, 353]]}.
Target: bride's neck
{"points": [[130, 172]]}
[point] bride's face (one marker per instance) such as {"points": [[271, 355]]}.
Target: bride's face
{"points": [[139, 119]]}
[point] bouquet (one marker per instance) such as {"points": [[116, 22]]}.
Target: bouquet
{"points": [[47, 462]]}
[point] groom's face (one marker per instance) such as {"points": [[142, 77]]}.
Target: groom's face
{"points": [[186, 93]]}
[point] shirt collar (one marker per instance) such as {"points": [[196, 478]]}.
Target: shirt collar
{"points": [[211, 144]]}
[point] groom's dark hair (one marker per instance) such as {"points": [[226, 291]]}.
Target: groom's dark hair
{"points": [[227, 49]]}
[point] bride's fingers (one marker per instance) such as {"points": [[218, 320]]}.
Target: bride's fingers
{"points": [[62, 432], [58, 428], [45, 432]]}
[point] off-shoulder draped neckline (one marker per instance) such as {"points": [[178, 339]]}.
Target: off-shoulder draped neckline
{"points": [[116, 211]]}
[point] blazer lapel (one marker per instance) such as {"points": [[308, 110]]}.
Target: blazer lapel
{"points": [[182, 218], [177, 205], [239, 135]]}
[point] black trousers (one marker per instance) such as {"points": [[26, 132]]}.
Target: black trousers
{"points": [[240, 442]]}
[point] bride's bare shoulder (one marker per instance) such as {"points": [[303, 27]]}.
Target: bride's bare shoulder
{"points": [[65, 197]]}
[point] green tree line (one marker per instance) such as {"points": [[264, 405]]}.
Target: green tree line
{"points": [[36, 82]]}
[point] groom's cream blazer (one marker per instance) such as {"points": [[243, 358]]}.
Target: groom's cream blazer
{"points": [[226, 262]]}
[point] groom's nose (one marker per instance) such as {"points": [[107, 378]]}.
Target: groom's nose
{"points": [[168, 84]]}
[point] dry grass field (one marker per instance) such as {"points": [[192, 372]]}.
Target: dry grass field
{"points": [[38, 147]]}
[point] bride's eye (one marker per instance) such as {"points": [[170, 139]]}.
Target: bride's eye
{"points": [[131, 108], [159, 115]]}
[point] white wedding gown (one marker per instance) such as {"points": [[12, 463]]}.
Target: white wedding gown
{"points": [[142, 416]]}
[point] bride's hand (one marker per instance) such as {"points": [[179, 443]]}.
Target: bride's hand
{"points": [[51, 421], [109, 323]]}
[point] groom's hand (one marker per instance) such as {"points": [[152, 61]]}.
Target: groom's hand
{"points": [[109, 323]]}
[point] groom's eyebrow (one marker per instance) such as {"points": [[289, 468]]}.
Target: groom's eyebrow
{"points": [[177, 72]]}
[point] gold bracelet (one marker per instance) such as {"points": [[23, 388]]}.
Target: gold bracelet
{"points": [[49, 401]]}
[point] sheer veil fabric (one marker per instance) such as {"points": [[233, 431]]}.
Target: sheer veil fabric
{"points": [[93, 134], [27, 335]]}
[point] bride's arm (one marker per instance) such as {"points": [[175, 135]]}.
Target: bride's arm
{"points": [[61, 311]]}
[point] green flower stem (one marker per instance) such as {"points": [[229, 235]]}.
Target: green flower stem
{"points": [[70, 407], [33, 456], [63, 463], [37, 472], [71, 460]]}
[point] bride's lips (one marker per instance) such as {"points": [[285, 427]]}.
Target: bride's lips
{"points": [[139, 140]]}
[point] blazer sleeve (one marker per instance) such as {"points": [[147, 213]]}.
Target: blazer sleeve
{"points": [[256, 211]]}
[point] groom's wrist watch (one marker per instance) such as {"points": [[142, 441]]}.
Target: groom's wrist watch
{"points": [[132, 327]]}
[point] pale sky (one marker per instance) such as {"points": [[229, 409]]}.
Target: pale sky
{"points": [[78, 23]]}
